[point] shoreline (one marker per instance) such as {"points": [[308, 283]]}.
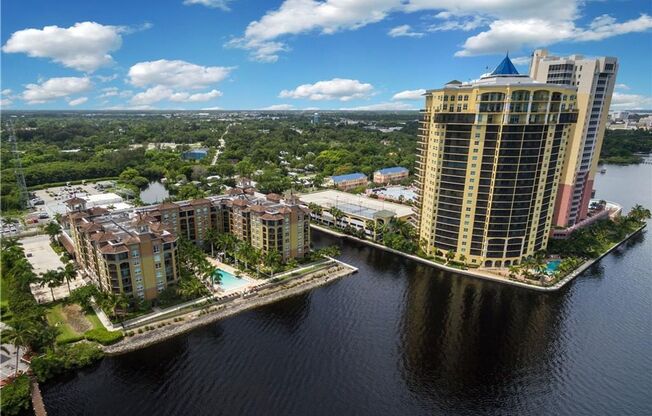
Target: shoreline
{"points": [[243, 303], [486, 275]]}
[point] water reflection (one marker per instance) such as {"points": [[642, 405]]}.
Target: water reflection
{"points": [[154, 193], [464, 341]]}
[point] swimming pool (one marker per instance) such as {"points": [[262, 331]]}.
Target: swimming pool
{"points": [[229, 281], [552, 266]]}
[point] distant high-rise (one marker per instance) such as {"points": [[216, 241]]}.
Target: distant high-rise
{"points": [[490, 158], [315, 118], [594, 79]]}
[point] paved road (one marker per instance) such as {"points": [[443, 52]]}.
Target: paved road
{"points": [[222, 144]]}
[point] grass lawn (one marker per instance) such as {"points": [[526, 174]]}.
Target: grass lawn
{"points": [[71, 321]]}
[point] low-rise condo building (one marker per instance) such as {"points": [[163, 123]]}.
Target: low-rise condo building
{"points": [[348, 181], [391, 175], [490, 158], [123, 252], [134, 251]]}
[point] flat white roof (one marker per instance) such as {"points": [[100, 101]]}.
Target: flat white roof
{"points": [[331, 197]]}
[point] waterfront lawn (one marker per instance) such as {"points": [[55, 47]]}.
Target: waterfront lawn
{"points": [[72, 322]]}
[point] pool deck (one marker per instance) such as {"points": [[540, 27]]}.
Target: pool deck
{"points": [[230, 269], [485, 274]]}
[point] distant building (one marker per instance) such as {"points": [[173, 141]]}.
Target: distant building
{"points": [[619, 115], [195, 154], [391, 175], [315, 118], [348, 181], [645, 123], [358, 212], [594, 79]]}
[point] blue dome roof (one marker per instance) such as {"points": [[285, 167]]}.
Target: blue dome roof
{"points": [[506, 67]]}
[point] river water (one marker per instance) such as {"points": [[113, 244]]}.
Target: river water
{"points": [[400, 338]]}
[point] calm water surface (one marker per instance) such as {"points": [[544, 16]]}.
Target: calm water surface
{"points": [[400, 338], [155, 192]]}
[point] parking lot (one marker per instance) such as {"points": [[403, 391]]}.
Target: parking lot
{"points": [[43, 258], [54, 198]]}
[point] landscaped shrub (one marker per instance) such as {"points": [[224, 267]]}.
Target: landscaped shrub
{"points": [[65, 358], [16, 396], [69, 340], [103, 336]]}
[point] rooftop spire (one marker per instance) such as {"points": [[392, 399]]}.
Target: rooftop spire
{"points": [[506, 67]]}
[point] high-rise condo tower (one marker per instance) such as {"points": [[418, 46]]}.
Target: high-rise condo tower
{"points": [[490, 159], [594, 79]]}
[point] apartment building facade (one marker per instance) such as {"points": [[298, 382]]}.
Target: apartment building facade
{"points": [[490, 158], [391, 175], [135, 251], [123, 253], [348, 181], [594, 79]]}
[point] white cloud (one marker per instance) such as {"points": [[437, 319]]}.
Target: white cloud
{"points": [[521, 60], [620, 101], [115, 92], [622, 87], [409, 95], [84, 46], [184, 97], [513, 24], [450, 22], [214, 4], [6, 97], [211, 108], [106, 78], [516, 34], [279, 107], [77, 101], [179, 74], [388, 106], [334, 89], [161, 93], [404, 31], [54, 88]]}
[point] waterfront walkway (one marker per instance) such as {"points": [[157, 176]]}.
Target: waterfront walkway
{"points": [[481, 274], [288, 287]]}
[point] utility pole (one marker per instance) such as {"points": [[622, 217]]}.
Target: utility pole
{"points": [[18, 169]]}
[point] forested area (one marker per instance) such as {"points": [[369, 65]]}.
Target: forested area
{"points": [[54, 148], [621, 146]]}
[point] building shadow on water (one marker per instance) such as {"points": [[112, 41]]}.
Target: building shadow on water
{"points": [[466, 341], [288, 313]]}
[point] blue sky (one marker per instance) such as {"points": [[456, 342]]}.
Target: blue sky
{"points": [[298, 54]]}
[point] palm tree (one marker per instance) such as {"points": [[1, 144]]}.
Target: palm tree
{"points": [[20, 334], [211, 238], [191, 288], [316, 209], [337, 214], [450, 255], [69, 273], [245, 253], [52, 279], [53, 229], [109, 303], [639, 213], [272, 259], [122, 302]]}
